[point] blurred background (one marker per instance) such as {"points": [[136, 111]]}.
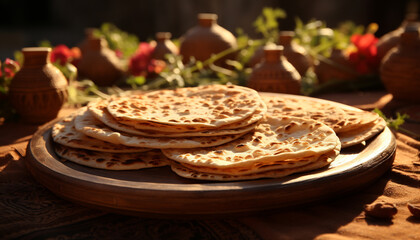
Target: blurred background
{"points": [[26, 23]]}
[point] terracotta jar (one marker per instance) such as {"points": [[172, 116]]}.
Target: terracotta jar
{"points": [[275, 73], [164, 46], [391, 39], [39, 89], [206, 39], [89, 34], [400, 68], [99, 63], [335, 67], [294, 53]]}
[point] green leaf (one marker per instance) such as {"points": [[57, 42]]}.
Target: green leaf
{"points": [[118, 39], [45, 43], [391, 122], [136, 80]]}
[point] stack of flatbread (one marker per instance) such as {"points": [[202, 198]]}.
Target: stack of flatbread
{"points": [[137, 127], [216, 132], [352, 126]]}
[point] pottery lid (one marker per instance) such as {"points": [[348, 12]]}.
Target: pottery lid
{"points": [[410, 35], [207, 19], [36, 49], [285, 37], [162, 36], [34, 56], [272, 53]]}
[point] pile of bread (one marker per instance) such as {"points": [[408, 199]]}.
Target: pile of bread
{"points": [[214, 132]]}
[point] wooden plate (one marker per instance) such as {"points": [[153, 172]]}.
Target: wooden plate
{"points": [[159, 192]]}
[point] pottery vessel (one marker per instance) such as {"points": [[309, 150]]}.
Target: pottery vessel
{"points": [[335, 67], [39, 89], [391, 39], [164, 46], [294, 53], [99, 63], [275, 73], [206, 39], [400, 68]]}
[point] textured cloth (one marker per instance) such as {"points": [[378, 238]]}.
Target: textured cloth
{"points": [[30, 211]]}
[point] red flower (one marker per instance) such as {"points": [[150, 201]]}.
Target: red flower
{"points": [[365, 58], [119, 53], [61, 53], [10, 68], [141, 63]]}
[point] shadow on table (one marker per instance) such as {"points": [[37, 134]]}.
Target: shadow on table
{"points": [[310, 221], [16, 132]]}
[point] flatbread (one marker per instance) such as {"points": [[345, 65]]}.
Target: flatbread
{"points": [[274, 139], [86, 123], [99, 110], [207, 106], [338, 118], [112, 161], [151, 126], [256, 167], [185, 172], [65, 133], [359, 135]]}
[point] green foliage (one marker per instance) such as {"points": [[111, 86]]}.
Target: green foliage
{"points": [[82, 92], [267, 23], [394, 123], [118, 39], [68, 70], [45, 43], [18, 57], [135, 81], [319, 40]]}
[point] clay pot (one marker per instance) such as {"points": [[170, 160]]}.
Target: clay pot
{"points": [[164, 46], [39, 89], [275, 73], [206, 39], [294, 53], [335, 67], [99, 63], [391, 39], [400, 68], [89, 34]]}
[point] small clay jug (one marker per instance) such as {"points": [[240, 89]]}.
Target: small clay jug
{"points": [[89, 34], [206, 39], [335, 67], [164, 46], [39, 89], [400, 68], [391, 39], [294, 53], [99, 63], [275, 73]]}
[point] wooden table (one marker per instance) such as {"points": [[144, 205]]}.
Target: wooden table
{"points": [[29, 211]]}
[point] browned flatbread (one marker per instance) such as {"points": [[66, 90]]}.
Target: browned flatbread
{"points": [[98, 110], [64, 133], [185, 172], [361, 134], [112, 161], [274, 139], [206, 106], [86, 123], [338, 118]]}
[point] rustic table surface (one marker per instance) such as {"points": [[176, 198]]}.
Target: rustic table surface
{"points": [[29, 210]]}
